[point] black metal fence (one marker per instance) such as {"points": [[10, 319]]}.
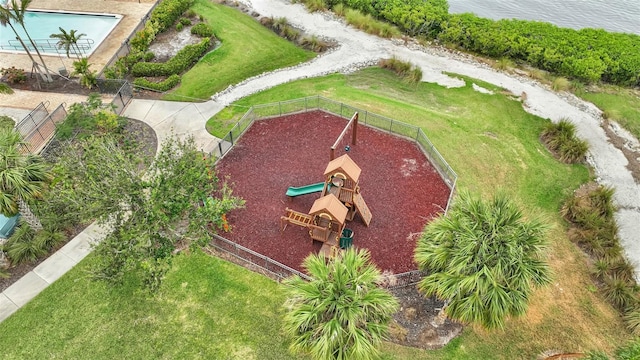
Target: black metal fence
{"points": [[279, 271], [265, 111], [39, 126]]}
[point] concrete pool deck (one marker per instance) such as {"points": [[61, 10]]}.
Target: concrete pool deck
{"points": [[132, 12]]}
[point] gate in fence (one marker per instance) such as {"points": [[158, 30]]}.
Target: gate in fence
{"points": [[39, 126]]}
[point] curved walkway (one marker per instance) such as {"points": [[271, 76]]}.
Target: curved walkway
{"points": [[357, 49]]}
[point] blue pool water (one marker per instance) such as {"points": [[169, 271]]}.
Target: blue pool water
{"points": [[40, 24]]}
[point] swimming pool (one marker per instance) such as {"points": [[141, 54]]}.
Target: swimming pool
{"points": [[42, 23]]}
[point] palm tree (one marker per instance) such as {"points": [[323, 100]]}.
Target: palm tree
{"points": [[483, 259], [5, 19], [68, 40], [340, 313], [16, 12], [22, 177]]}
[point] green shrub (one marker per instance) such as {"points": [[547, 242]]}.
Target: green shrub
{"points": [[186, 57], [48, 239], [179, 27], [406, 70], [561, 140], [5, 89], [561, 84], [190, 13], [161, 86], [167, 13], [315, 5], [290, 33], [21, 246], [632, 319], [143, 38], [184, 21], [314, 43], [88, 77], [14, 75], [203, 30], [618, 292], [81, 120], [339, 9], [149, 55], [6, 122]]}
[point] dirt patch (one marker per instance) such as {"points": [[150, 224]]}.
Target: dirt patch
{"points": [[166, 45], [418, 322], [58, 85], [630, 150]]}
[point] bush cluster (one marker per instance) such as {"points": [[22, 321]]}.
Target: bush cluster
{"points": [[590, 211], [186, 57], [14, 75], [203, 30], [28, 245], [168, 12], [587, 55], [409, 72], [162, 86], [562, 141]]}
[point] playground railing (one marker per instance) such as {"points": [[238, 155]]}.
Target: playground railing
{"points": [[263, 264], [256, 260], [266, 111]]}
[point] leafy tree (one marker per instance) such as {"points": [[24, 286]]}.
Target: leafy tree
{"points": [[16, 12], [68, 40], [176, 203], [483, 258], [22, 177], [340, 313]]}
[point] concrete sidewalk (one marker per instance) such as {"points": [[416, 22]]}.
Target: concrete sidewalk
{"points": [[178, 118], [50, 270]]}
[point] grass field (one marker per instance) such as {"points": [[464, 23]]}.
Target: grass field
{"points": [[208, 307], [620, 105], [247, 49]]}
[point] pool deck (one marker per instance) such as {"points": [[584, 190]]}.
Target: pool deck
{"points": [[132, 12]]}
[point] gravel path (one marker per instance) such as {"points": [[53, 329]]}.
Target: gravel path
{"points": [[357, 49]]}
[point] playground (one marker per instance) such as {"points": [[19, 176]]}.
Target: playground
{"points": [[291, 154]]}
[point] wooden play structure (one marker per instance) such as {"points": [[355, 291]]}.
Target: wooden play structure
{"points": [[339, 201], [342, 176]]}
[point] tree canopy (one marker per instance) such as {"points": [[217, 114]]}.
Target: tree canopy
{"points": [[340, 313], [483, 258]]}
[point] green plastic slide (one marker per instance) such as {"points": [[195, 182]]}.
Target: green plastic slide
{"points": [[304, 190]]}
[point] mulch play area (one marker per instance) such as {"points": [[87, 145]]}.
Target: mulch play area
{"points": [[400, 186]]}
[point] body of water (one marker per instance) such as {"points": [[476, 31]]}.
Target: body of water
{"points": [[611, 15]]}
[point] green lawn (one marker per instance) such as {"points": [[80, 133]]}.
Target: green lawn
{"points": [[620, 105], [247, 49], [208, 307]]}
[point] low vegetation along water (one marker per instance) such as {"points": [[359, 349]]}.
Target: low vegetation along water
{"points": [[612, 15]]}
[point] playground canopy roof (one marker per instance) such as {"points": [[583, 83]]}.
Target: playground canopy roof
{"points": [[344, 165], [331, 205]]}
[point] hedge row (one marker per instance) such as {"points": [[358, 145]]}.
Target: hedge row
{"points": [[185, 58], [165, 85], [588, 54], [168, 11]]}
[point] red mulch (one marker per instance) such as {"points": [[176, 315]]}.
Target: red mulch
{"points": [[401, 188]]}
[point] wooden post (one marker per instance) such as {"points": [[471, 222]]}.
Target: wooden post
{"points": [[355, 129]]}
